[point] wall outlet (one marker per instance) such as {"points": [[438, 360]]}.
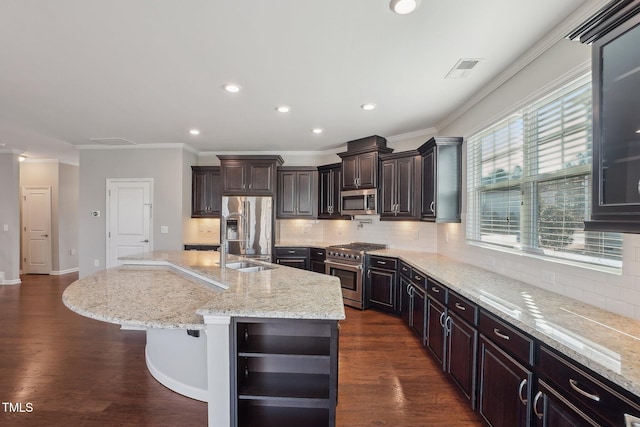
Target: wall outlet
{"points": [[72, 251], [164, 229], [96, 263]]}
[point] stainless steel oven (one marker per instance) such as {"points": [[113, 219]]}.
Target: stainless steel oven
{"points": [[347, 263]]}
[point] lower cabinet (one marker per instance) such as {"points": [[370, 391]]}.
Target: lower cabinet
{"points": [[436, 313], [317, 258], [286, 372], [504, 388], [380, 284], [412, 301], [461, 355], [553, 410]]}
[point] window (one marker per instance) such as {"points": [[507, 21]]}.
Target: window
{"points": [[529, 181]]}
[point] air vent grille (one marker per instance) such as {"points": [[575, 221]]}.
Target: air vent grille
{"points": [[462, 68]]}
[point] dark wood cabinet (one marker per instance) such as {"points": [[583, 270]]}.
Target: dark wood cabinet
{"points": [[360, 171], [612, 32], [441, 179], [400, 185], [206, 192], [201, 247], [329, 183], [296, 257], [435, 339], [504, 388], [571, 393], [280, 381], [249, 175], [381, 283], [412, 302], [317, 256], [462, 342], [297, 192]]}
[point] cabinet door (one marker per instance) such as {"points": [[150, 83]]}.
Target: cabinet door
{"points": [[199, 197], [260, 178], [418, 310], [287, 194], [349, 172], [461, 355], [233, 177], [388, 188], [325, 193], [553, 410], [436, 313], [368, 170], [504, 388], [381, 289], [306, 193], [407, 193], [429, 185], [405, 300]]}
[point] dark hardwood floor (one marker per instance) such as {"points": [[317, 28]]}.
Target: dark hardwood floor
{"points": [[74, 371]]}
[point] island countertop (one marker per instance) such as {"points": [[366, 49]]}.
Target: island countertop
{"points": [[174, 289]]}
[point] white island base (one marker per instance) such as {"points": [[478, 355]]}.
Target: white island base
{"points": [[196, 367]]}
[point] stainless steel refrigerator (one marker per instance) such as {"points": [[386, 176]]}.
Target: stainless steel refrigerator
{"points": [[247, 226]]}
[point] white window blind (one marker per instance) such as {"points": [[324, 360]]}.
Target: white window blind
{"points": [[529, 181]]}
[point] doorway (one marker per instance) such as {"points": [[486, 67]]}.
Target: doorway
{"points": [[129, 218], [36, 230]]}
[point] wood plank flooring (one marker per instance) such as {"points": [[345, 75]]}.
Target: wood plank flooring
{"points": [[75, 371]]}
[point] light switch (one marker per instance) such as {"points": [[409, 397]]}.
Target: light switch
{"points": [[6, 227], [164, 229]]}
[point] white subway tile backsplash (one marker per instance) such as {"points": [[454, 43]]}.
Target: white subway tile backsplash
{"points": [[620, 307]]}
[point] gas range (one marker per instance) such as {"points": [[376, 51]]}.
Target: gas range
{"points": [[352, 253]]}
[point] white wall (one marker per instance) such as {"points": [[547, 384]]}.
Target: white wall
{"points": [[166, 167], [9, 216]]}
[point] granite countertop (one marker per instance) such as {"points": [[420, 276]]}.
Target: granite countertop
{"points": [[174, 289], [607, 343]]}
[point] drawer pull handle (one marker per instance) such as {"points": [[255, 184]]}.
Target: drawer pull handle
{"points": [[500, 334], [520, 388], [436, 290], [535, 406], [292, 252], [382, 262], [417, 277], [461, 307], [574, 385]]}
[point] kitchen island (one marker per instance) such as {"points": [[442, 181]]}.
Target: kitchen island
{"points": [[225, 336]]}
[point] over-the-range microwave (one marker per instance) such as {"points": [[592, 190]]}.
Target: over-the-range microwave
{"points": [[359, 202]]}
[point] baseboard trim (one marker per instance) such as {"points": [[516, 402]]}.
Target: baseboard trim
{"points": [[63, 272], [11, 282]]}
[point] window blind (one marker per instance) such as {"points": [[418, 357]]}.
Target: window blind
{"points": [[529, 181]]}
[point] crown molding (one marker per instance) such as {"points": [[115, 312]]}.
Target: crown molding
{"points": [[135, 147]]}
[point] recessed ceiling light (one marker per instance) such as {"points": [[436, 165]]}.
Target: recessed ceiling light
{"points": [[317, 131], [638, 131], [283, 109], [194, 132], [368, 106], [404, 7], [231, 87]]}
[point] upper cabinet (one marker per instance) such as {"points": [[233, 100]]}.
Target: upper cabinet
{"points": [[249, 175], [614, 33], [329, 182], [360, 162], [441, 179], [206, 192], [400, 184], [297, 192]]}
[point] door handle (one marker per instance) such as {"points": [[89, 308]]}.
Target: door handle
{"points": [[144, 241]]}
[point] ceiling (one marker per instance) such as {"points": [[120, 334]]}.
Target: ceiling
{"points": [[148, 71]]}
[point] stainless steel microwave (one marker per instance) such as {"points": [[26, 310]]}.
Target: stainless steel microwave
{"points": [[359, 202]]}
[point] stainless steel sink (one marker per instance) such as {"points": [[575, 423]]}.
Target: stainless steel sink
{"points": [[247, 267]]}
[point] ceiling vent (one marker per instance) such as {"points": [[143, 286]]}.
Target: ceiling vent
{"points": [[112, 141], [462, 68]]}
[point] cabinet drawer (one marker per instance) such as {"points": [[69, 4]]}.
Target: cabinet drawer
{"points": [[405, 270], [579, 386], [284, 252], [463, 308], [437, 291], [507, 337], [419, 278], [383, 262], [318, 254]]}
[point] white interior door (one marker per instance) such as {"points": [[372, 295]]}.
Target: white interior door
{"points": [[36, 227], [129, 218]]}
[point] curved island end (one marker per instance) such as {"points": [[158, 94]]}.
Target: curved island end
{"points": [[233, 339]]}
